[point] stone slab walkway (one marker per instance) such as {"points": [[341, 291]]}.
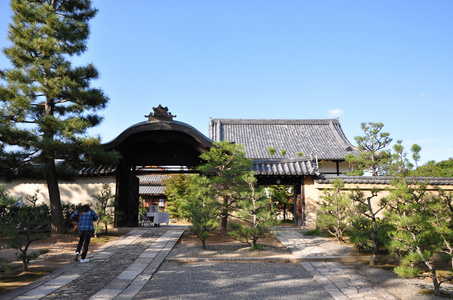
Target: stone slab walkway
{"points": [[124, 269], [118, 270], [319, 255]]}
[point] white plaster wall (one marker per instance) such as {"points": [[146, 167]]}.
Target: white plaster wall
{"points": [[79, 191], [330, 167]]}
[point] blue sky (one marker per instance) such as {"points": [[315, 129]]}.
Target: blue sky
{"points": [[360, 61]]}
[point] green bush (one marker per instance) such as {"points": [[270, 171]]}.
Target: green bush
{"points": [[407, 272], [314, 232], [68, 209]]}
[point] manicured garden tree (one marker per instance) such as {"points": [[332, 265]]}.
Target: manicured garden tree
{"points": [[192, 198], [201, 208], [24, 225], [334, 210], [5, 199], [367, 227], [282, 198], [47, 105], [257, 211], [415, 149], [443, 213], [225, 165], [103, 208], [412, 212], [374, 158], [176, 190], [68, 210]]}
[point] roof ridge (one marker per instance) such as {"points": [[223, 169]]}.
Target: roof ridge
{"points": [[275, 121]]}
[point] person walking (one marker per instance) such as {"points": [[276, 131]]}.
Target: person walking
{"points": [[85, 217]]}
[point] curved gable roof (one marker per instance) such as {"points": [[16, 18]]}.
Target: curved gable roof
{"points": [[150, 126], [319, 138]]}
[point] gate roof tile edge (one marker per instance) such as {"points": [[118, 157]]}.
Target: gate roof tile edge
{"points": [[328, 179]]}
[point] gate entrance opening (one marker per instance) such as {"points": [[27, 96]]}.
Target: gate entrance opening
{"points": [[152, 145]]}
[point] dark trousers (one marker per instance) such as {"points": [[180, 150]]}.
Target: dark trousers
{"points": [[84, 239]]}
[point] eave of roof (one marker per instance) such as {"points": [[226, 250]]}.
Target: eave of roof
{"points": [[97, 171], [284, 168], [328, 179], [149, 126]]}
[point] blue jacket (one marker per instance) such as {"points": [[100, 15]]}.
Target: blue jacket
{"points": [[86, 220]]}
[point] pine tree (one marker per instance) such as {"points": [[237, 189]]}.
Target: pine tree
{"points": [[201, 208], [334, 210], [225, 164], [373, 158], [103, 207], [282, 197], [257, 212], [366, 224], [415, 215], [47, 103], [176, 190]]}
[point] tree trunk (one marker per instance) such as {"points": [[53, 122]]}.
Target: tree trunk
{"points": [[56, 214], [24, 258], [374, 242], [224, 227], [433, 274], [436, 284], [25, 251]]}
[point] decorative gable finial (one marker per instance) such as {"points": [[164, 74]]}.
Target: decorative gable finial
{"points": [[160, 114]]}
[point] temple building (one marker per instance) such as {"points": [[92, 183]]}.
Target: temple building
{"points": [[305, 155]]}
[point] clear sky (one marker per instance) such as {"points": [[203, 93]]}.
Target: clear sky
{"points": [[360, 61]]}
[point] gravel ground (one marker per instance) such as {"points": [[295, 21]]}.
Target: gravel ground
{"points": [[232, 281], [406, 289], [194, 277]]}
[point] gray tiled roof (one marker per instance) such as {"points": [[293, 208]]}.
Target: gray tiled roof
{"points": [[97, 171], [152, 178], [151, 189], [327, 179], [284, 167], [323, 139]]}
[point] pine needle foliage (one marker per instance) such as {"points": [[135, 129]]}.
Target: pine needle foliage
{"points": [[257, 211], [334, 210], [374, 158], [415, 215], [201, 208], [225, 165], [103, 208], [47, 104]]}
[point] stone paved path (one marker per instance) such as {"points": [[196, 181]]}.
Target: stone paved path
{"points": [[338, 279], [117, 270], [124, 269]]}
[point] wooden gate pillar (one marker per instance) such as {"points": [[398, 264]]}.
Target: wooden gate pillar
{"points": [[299, 203], [128, 193]]}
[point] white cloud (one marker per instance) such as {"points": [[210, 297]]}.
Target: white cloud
{"points": [[336, 112]]}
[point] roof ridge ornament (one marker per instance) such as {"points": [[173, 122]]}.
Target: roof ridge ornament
{"points": [[160, 114]]}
